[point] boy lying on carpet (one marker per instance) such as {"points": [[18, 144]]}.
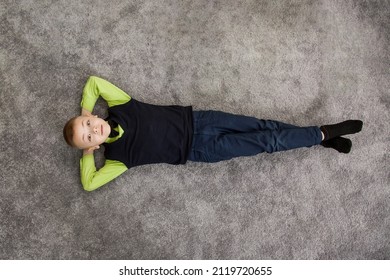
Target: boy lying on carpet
{"points": [[137, 133]]}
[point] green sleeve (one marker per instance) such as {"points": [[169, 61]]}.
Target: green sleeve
{"points": [[96, 87], [92, 179]]}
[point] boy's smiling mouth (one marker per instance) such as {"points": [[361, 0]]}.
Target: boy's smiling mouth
{"points": [[102, 129]]}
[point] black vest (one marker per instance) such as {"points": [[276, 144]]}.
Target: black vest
{"points": [[152, 134]]}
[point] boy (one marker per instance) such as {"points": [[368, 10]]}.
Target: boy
{"points": [[137, 133]]}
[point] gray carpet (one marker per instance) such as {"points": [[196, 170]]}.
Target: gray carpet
{"points": [[301, 62]]}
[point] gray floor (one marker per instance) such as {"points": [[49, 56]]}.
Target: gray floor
{"points": [[301, 62]]}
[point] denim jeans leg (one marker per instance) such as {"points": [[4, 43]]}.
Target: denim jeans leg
{"points": [[221, 136], [220, 123]]}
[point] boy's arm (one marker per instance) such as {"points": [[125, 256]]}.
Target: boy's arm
{"points": [[92, 179], [96, 87]]}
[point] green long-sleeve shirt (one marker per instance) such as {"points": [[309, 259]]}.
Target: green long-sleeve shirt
{"points": [[91, 178]]}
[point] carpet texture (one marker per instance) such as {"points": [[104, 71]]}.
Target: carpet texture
{"points": [[301, 62]]}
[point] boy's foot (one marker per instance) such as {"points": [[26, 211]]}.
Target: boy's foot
{"points": [[340, 144], [343, 128]]}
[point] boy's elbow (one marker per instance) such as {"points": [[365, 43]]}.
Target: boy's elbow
{"points": [[88, 189], [93, 78], [91, 185], [87, 186]]}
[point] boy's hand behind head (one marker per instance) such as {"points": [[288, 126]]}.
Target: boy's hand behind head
{"points": [[89, 151], [86, 113]]}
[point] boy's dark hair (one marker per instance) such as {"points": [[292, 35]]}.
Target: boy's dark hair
{"points": [[68, 132]]}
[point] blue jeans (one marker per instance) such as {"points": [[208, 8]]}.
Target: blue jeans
{"points": [[221, 136]]}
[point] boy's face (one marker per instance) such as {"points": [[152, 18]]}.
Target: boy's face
{"points": [[90, 131]]}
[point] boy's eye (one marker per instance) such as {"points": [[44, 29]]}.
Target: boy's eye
{"points": [[88, 122], [89, 137]]}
